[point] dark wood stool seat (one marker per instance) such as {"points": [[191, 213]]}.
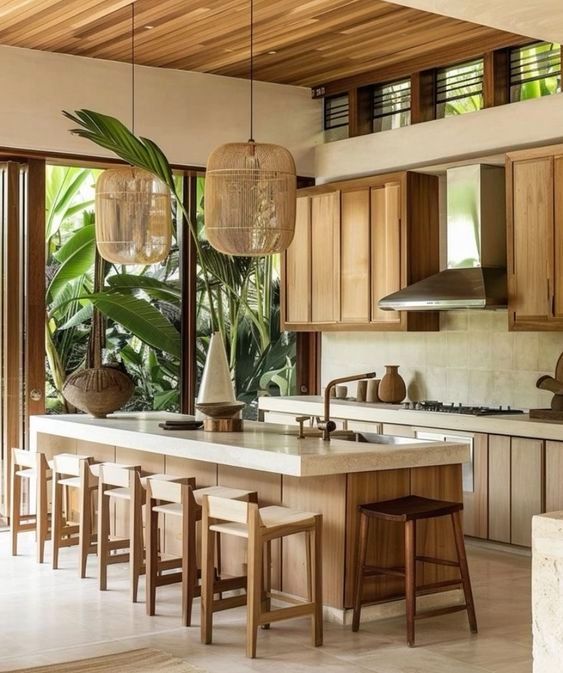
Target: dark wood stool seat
{"points": [[410, 508], [408, 511]]}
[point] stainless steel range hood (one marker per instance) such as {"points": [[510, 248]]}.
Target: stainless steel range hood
{"points": [[476, 248]]}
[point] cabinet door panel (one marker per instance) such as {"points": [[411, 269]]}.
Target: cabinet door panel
{"points": [[325, 257], [499, 488], [385, 248], [532, 240], [553, 476], [298, 266], [355, 257], [526, 488]]}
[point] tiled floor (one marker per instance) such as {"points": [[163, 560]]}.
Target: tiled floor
{"points": [[51, 616]]}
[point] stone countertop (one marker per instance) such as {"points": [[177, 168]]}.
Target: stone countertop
{"points": [[519, 425], [261, 446]]}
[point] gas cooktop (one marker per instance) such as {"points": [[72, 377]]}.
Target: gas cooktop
{"points": [[472, 410]]}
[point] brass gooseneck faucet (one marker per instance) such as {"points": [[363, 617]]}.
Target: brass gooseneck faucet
{"points": [[326, 425]]}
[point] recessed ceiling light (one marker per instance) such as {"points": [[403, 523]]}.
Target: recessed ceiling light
{"points": [[272, 51], [148, 27]]}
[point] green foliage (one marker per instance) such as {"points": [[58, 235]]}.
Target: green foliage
{"points": [[237, 296]]}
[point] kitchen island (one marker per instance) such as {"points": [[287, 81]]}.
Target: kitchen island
{"points": [[330, 478]]}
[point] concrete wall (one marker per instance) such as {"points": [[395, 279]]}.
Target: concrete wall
{"points": [[475, 134], [474, 359], [186, 113]]}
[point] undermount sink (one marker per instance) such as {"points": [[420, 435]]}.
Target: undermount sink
{"points": [[374, 438]]}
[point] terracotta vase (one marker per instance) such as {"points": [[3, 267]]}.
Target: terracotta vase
{"points": [[392, 388]]}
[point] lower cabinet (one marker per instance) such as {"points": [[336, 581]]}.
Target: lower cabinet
{"points": [[516, 487], [511, 478]]}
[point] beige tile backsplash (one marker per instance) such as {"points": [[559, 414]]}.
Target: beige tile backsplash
{"points": [[473, 359]]}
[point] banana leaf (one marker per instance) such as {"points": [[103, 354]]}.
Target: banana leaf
{"points": [[141, 318], [76, 257]]}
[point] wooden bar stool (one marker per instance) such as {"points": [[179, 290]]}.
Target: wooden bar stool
{"points": [[123, 482], [259, 526], [182, 499], [26, 467], [72, 472], [408, 511]]}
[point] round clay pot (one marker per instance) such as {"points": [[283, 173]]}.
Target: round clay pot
{"points": [[392, 388], [98, 391]]}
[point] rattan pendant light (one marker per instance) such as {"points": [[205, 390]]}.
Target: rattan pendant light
{"points": [[250, 191], [133, 206]]}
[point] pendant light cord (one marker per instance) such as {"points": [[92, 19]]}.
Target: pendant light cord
{"points": [[251, 140], [133, 67]]}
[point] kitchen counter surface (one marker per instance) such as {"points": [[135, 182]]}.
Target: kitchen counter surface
{"points": [[520, 425], [261, 446]]}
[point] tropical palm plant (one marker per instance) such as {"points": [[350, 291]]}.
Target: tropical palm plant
{"points": [[237, 296]]}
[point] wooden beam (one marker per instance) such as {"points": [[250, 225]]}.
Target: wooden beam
{"points": [[11, 319], [34, 296], [360, 111], [308, 363], [496, 78], [188, 281], [423, 104]]}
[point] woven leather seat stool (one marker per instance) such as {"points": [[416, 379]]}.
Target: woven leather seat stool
{"points": [[408, 511]]}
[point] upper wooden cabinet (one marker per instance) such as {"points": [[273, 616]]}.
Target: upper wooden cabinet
{"points": [[535, 238], [356, 242]]}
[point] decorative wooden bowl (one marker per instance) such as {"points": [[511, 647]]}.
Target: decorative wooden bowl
{"points": [[222, 416], [98, 391], [220, 409]]}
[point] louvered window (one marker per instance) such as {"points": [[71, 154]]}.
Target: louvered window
{"points": [[459, 89], [391, 105], [535, 71], [336, 117]]}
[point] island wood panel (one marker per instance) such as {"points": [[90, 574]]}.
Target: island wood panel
{"points": [[297, 295], [355, 256], [526, 485], [325, 257], [499, 488], [386, 540], [530, 242], [553, 476], [435, 537], [327, 496], [205, 474], [386, 254], [268, 485]]}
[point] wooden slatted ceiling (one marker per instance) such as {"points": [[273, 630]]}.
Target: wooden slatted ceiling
{"points": [[300, 42]]}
